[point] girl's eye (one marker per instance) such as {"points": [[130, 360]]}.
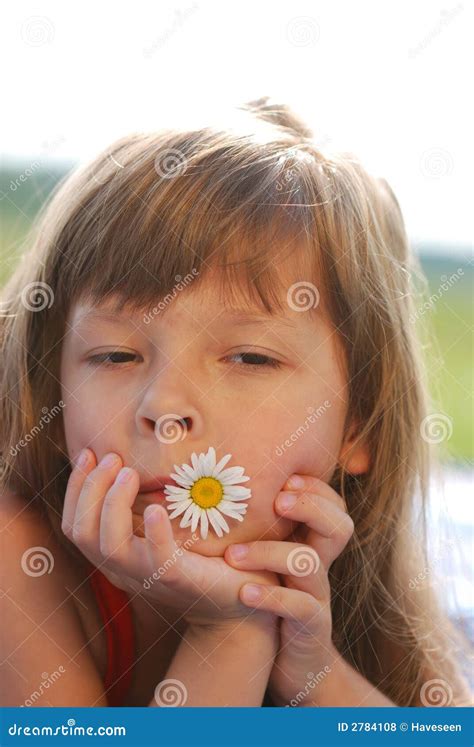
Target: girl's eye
{"points": [[106, 358], [251, 360], [256, 359]]}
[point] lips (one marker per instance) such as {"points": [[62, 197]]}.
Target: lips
{"points": [[157, 484]]}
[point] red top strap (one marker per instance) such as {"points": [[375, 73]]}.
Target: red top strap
{"points": [[114, 606]]}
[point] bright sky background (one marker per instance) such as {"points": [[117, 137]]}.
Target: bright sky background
{"points": [[387, 80]]}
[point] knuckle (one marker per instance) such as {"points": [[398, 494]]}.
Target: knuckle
{"points": [[347, 527], [107, 550], [77, 535], [314, 499], [90, 480], [169, 576], [266, 552], [310, 607], [275, 595], [112, 499], [104, 547]]}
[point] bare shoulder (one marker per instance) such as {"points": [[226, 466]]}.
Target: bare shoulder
{"points": [[43, 644]]}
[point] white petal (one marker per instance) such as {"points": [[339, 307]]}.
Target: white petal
{"points": [[215, 524], [231, 514], [174, 490], [220, 465], [220, 519], [177, 510], [175, 498], [196, 517], [187, 515], [210, 460], [236, 498], [233, 475], [181, 477], [202, 465], [189, 472], [172, 506], [204, 525], [197, 462], [233, 506], [236, 491]]}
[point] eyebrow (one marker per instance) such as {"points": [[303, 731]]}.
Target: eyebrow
{"points": [[116, 317], [243, 318], [239, 317]]}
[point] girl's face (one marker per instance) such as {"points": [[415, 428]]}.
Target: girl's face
{"points": [[193, 359]]}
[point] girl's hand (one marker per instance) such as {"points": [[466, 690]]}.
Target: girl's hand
{"points": [[303, 600], [97, 518]]}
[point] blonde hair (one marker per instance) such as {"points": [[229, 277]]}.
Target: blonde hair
{"points": [[157, 208]]}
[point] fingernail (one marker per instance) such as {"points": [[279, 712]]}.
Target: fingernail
{"points": [[124, 475], [151, 513], [296, 482], [252, 592], [109, 460], [287, 500], [239, 551], [83, 458]]}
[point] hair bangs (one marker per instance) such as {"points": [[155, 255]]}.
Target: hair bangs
{"points": [[164, 235]]}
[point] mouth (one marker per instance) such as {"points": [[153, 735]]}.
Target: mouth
{"points": [[154, 490]]}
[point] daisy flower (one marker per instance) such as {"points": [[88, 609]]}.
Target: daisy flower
{"points": [[206, 492]]}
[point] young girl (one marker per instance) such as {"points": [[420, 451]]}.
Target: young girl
{"points": [[211, 448]]}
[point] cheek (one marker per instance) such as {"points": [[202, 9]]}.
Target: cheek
{"points": [[279, 445], [92, 421]]}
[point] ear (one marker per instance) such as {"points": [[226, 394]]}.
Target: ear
{"points": [[354, 454]]}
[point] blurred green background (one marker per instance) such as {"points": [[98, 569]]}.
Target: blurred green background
{"points": [[446, 322]]}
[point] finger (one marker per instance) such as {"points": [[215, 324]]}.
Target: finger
{"points": [[321, 515], [288, 559], [74, 486], [174, 565], [117, 542], [301, 483], [86, 529], [291, 604]]}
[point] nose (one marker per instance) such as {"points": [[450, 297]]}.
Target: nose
{"points": [[168, 410]]}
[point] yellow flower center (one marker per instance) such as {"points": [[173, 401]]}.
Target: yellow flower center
{"points": [[207, 492]]}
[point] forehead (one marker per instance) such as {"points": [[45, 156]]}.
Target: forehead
{"points": [[212, 296], [89, 315]]}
